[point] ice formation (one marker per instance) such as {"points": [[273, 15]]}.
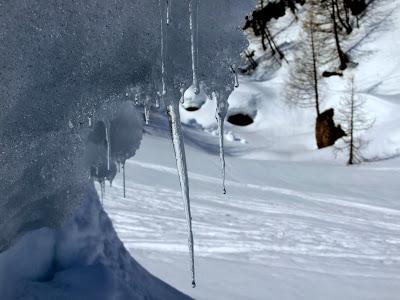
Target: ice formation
{"points": [[78, 63], [194, 31]]}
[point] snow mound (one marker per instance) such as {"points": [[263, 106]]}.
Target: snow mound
{"points": [[84, 259]]}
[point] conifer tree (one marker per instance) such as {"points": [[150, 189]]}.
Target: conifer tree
{"points": [[353, 117], [304, 80]]}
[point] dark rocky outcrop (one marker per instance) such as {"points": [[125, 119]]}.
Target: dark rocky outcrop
{"points": [[326, 132]]}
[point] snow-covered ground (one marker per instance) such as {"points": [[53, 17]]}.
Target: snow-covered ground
{"points": [[287, 230], [296, 223]]}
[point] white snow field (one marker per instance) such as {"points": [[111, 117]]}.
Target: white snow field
{"points": [[285, 230], [296, 222]]}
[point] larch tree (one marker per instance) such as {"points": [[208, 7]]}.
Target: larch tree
{"points": [[355, 122], [304, 80], [303, 87]]}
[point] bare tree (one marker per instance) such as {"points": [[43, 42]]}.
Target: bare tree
{"points": [[353, 117], [304, 80]]}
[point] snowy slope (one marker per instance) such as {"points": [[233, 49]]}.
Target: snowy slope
{"points": [[296, 222], [282, 132], [287, 230]]}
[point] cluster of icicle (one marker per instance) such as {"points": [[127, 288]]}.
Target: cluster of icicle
{"points": [[171, 105]]}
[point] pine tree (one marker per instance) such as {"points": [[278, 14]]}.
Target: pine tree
{"points": [[353, 117]]}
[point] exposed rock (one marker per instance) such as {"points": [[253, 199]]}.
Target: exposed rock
{"points": [[326, 132]]}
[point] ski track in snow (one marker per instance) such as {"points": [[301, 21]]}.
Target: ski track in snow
{"points": [[266, 225]]}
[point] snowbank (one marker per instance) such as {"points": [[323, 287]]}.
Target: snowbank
{"points": [[84, 259]]}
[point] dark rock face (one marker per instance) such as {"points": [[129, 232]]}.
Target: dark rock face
{"points": [[326, 132], [356, 6], [240, 119]]}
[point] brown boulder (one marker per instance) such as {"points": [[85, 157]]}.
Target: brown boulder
{"points": [[326, 132]]}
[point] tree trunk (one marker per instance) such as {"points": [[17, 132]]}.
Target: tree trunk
{"points": [[315, 71], [342, 56], [351, 148]]}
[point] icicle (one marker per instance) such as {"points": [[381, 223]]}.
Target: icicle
{"points": [[123, 178], [107, 125], [179, 149], [193, 12], [163, 46], [172, 109], [168, 19], [222, 108], [182, 91], [157, 103], [147, 107], [235, 73]]}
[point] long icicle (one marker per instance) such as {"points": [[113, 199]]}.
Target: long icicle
{"points": [[179, 149], [222, 108], [108, 144], [193, 13], [163, 46], [172, 108]]}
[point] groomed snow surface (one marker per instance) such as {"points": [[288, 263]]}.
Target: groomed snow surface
{"points": [[285, 230]]}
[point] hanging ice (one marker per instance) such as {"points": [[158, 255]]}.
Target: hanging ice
{"points": [[163, 35], [172, 95], [234, 71], [193, 12], [107, 126], [168, 18], [182, 91], [179, 149], [116, 50], [222, 109], [147, 109]]}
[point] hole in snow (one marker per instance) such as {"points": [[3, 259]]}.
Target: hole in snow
{"points": [[192, 108], [240, 119]]}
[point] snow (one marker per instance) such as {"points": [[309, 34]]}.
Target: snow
{"points": [[84, 259], [296, 223], [287, 230]]}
